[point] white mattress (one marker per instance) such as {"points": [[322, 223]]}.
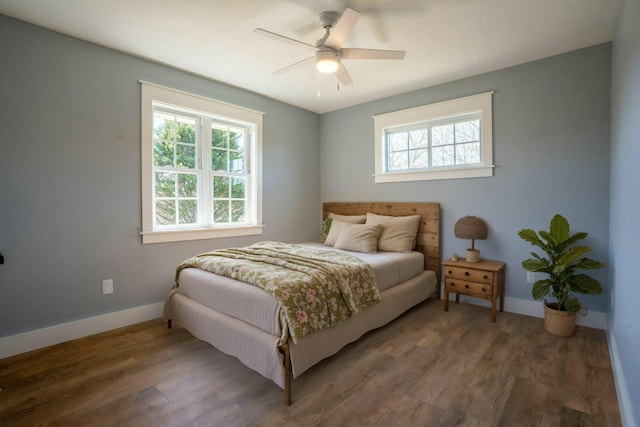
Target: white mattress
{"points": [[257, 307]]}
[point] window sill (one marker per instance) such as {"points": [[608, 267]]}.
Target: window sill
{"points": [[468, 172], [166, 236]]}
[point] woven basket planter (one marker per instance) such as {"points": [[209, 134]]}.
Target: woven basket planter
{"points": [[559, 323]]}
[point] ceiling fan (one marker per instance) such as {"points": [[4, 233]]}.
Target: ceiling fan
{"points": [[329, 52]]}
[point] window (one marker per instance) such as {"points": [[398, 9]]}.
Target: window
{"points": [[200, 167], [451, 139]]}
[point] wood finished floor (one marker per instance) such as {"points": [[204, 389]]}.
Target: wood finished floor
{"points": [[427, 368]]}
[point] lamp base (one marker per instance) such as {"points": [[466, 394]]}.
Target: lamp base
{"points": [[473, 255]]}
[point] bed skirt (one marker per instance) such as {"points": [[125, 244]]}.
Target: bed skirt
{"points": [[259, 350]]}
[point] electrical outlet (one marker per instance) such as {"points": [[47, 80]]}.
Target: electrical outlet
{"points": [[531, 277], [107, 286]]}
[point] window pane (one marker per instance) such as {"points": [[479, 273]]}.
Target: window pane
{"points": [[398, 161], [468, 154], [418, 138], [236, 139], [221, 187], [162, 153], [237, 162], [164, 127], [419, 158], [237, 211], [188, 211], [468, 131], [165, 212], [441, 135], [238, 188], [221, 211], [219, 160], [397, 141], [219, 138], [187, 185], [165, 184], [443, 156], [186, 130], [186, 156]]}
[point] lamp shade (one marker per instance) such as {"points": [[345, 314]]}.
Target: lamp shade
{"points": [[471, 227]]}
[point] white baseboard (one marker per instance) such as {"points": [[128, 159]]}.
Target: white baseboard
{"points": [[624, 401], [39, 338], [593, 319]]}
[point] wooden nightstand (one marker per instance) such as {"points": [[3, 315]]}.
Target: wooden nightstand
{"points": [[484, 279]]}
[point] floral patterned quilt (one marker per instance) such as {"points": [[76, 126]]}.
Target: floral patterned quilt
{"points": [[316, 288]]}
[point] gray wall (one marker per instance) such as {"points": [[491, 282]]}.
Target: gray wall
{"points": [[70, 173], [624, 316], [551, 149], [70, 178]]}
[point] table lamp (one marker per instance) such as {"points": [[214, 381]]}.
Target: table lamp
{"points": [[471, 227]]}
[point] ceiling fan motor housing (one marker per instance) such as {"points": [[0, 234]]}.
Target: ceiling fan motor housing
{"points": [[328, 18]]}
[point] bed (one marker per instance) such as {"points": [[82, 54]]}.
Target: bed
{"points": [[248, 323]]}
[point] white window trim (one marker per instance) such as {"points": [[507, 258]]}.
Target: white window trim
{"points": [[481, 103], [151, 92]]}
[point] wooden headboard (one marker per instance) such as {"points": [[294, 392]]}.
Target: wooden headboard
{"points": [[428, 239]]}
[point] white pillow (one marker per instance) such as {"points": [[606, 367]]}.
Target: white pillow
{"points": [[359, 238], [398, 233], [334, 231], [372, 218], [353, 219]]}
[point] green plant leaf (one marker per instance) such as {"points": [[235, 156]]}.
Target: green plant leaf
{"points": [[538, 257], [535, 264], [573, 254], [547, 237], [572, 305], [589, 264], [531, 237], [559, 229], [571, 240], [586, 285], [540, 289]]}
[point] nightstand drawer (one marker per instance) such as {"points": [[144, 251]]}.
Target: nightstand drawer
{"points": [[469, 274], [455, 285]]}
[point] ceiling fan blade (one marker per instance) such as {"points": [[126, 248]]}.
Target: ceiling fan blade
{"points": [[341, 30], [281, 38], [343, 75], [295, 65], [355, 53]]}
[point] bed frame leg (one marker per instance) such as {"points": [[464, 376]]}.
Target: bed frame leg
{"points": [[169, 324], [284, 349]]}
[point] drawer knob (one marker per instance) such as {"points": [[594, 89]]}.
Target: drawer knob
{"points": [[486, 277], [453, 285], [484, 290], [466, 286], [450, 272], [466, 273]]}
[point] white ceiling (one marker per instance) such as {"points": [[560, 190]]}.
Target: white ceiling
{"points": [[445, 40]]}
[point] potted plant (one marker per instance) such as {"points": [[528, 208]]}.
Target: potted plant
{"points": [[562, 262]]}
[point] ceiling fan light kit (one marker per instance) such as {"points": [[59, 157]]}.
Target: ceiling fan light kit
{"points": [[327, 61], [329, 51]]}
